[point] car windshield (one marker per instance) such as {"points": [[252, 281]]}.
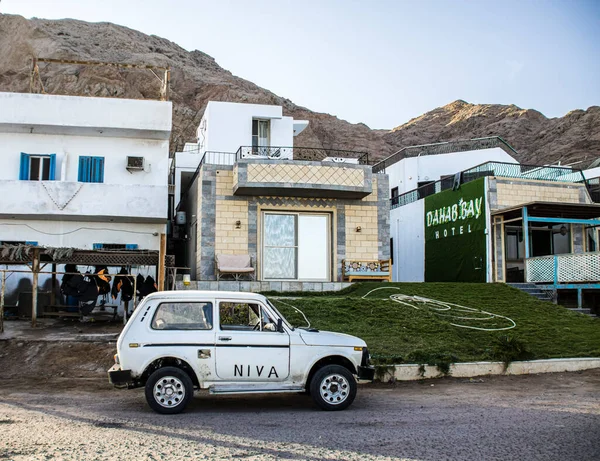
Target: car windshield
{"points": [[307, 326], [276, 311]]}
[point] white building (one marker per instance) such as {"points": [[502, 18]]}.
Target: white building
{"points": [[227, 128], [64, 171], [82, 172]]}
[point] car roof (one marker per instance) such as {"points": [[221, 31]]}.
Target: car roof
{"points": [[190, 294]]}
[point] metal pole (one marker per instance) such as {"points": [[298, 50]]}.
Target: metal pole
{"points": [[526, 238], [2, 302], [35, 267]]}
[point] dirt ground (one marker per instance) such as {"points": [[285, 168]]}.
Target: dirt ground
{"points": [[56, 403], [545, 417]]}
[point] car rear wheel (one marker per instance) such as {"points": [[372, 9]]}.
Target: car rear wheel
{"points": [[168, 390], [333, 388]]}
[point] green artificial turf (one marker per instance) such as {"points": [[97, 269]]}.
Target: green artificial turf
{"points": [[403, 334]]}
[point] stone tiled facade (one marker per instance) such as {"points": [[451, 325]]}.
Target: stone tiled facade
{"points": [[290, 178], [515, 192], [219, 210]]}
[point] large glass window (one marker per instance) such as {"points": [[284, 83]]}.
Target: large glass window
{"points": [[183, 316], [280, 246], [296, 246]]}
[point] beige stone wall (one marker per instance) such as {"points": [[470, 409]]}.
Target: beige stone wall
{"points": [[306, 174], [228, 239], [515, 192], [363, 244]]}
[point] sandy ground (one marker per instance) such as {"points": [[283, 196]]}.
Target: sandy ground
{"points": [[545, 417]]}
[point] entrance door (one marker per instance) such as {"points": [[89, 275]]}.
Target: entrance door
{"points": [[296, 246], [248, 347]]}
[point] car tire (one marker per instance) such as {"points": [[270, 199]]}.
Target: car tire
{"points": [[333, 388], [168, 390]]}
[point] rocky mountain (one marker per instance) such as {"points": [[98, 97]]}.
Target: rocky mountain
{"points": [[196, 78]]}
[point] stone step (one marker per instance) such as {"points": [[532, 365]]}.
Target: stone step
{"points": [[582, 310]]}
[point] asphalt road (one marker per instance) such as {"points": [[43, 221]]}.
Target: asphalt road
{"points": [[545, 417]]}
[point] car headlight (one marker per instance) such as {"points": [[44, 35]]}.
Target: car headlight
{"points": [[116, 357]]}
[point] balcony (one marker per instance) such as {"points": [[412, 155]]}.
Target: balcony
{"points": [[313, 154], [492, 169], [83, 201], [564, 268]]}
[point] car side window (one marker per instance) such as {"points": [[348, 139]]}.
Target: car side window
{"points": [[244, 317], [183, 316]]}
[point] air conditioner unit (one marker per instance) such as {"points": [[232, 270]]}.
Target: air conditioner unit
{"points": [[135, 163]]}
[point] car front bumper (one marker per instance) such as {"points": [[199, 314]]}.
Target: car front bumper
{"points": [[118, 377], [366, 373]]}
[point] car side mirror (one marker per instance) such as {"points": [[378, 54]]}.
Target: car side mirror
{"points": [[280, 325]]}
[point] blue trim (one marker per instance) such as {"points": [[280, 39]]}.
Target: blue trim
{"points": [[24, 167], [526, 231], [97, 246], [570, 286], [131, 246], [555, 270], [32, 243], [52, 174], [592, 222]]}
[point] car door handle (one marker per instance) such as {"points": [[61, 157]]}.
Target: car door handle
{"points": [[224, 338]]}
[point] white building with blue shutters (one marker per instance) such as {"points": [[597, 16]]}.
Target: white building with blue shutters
{"points": [[83, 172]]}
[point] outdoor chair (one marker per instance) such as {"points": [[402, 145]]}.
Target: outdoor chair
{"points": [[235, 265]]}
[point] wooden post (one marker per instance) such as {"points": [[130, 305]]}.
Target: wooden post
{"points": [[35, 267], [2, 302], [161, 262], [52, 291]]}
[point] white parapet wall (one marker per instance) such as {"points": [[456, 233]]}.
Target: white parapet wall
{"points": [[413, 372]]}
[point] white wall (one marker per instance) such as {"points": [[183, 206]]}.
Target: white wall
{"points": [[408, 172], [591, 173], [68, 148], [81, 234], [43, 113], [407, 226], [229, 126]]}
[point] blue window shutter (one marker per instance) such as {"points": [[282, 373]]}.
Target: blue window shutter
{"points": [[100, 171], [52, 175], [24, 168], [84, 169]]}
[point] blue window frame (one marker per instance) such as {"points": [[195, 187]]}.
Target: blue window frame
{"points": [[91, 169], [34, 167]]}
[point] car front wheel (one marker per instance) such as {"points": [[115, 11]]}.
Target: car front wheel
{"points": [[168, 390], [333, 388]]}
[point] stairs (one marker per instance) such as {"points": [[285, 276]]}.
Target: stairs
{"points": [[533, 290]]}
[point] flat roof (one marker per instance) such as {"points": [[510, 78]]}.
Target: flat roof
{"points": [[552, 210]]}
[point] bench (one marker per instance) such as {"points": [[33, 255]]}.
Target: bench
{"points": [[235, 265], [377, 269]]}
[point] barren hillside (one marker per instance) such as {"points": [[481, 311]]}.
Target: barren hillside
{"points": [[197, 78]]}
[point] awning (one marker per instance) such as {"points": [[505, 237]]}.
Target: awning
{"points": [[552, 210]]}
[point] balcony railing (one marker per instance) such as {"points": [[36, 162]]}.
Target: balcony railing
{"points": [[444, 148], [302, 153], [564, 268], [499, 169]]}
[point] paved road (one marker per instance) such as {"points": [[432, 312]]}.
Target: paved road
{"points": [[545, 417]]}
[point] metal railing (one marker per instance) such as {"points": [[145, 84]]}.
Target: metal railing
{"points": [[564, 268], [593, 187], [444, 148], [302, 153], [499, 169]]}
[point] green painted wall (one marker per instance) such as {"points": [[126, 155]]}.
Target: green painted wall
{"points": [[455, 240]]}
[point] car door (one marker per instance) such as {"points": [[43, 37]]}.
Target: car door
{"points": [[248, 347], [184, 329]]}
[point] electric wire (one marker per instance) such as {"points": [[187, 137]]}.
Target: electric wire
{"points": [[77, 230]]}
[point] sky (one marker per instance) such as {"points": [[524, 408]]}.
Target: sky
{"points": [[378, 62]]}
